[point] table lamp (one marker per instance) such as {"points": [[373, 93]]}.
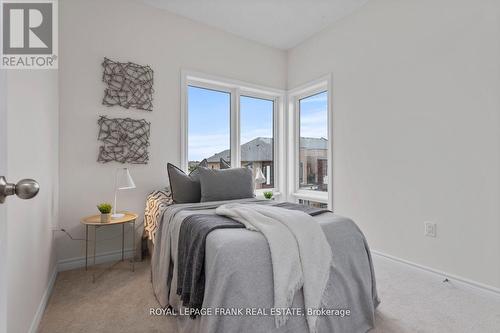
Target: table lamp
{"points": [[123, 181], [259, 177]]}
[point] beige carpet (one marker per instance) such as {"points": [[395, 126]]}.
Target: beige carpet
{"points": [[119, 301]]}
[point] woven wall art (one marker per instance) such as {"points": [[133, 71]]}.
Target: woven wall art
{"points": [[128, 85], [123, 140]]}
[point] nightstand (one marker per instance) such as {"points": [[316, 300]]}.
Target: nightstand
{"points": [[95, 221]]}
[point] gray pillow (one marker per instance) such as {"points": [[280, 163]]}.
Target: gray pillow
{"points": [[185, 188], [227, 184]]}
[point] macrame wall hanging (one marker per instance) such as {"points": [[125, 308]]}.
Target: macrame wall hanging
{"points": [[123, 140], [127, 85]]}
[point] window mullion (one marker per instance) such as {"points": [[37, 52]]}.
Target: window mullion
{"points": [[235, 128], [330, 145], [296, 137], [276, 144]]}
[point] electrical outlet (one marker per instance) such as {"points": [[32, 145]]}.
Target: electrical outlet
{"points": [[55, 227], [430, 229]]}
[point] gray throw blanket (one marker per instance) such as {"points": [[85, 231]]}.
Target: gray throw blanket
{"points": [[191, 255], [191, 250]]}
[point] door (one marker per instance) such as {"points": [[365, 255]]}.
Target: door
{"points": [[3, 209], [28, 149]]}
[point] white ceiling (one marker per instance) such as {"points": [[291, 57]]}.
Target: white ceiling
{"points": [[278, 23]]}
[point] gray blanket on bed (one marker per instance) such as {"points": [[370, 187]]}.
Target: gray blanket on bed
{"points": [[191, 255], [191, 250], [238, 275]]}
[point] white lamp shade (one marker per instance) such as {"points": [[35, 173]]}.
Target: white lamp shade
{"points": [[123, 180], [259, 176]]}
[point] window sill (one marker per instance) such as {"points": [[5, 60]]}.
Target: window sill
{"points": [[312, 196]]}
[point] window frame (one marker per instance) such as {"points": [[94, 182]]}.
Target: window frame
{"points": [[236, 89], [294, 96]]}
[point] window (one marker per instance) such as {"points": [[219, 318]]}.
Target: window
{"points": [[209, 126], [313, 144], [229, 122], [257, 139], [310, 157]]}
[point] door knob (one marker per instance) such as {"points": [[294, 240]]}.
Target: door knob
{"points": [[24, 189]]}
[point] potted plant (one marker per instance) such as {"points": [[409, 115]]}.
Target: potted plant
{"points": [[268, 195], [105, 209]]}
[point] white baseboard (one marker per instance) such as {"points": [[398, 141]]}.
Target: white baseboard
{"points": [[78, 262], [464, 282], [43, 302]]}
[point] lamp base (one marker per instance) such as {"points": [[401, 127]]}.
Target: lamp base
{"points": [[117, 216]]}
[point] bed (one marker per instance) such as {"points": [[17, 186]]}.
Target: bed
{"points": [[238, 274]]}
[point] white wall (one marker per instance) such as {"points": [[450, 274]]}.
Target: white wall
{"points": [[132, 31], [416, 111], [32, 140], [416, 107]]}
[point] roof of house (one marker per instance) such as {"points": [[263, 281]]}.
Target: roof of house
{"points": [[261, 149], [313, 143]]}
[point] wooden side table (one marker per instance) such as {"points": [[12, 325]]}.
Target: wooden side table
{"points": [[95, 221]]}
